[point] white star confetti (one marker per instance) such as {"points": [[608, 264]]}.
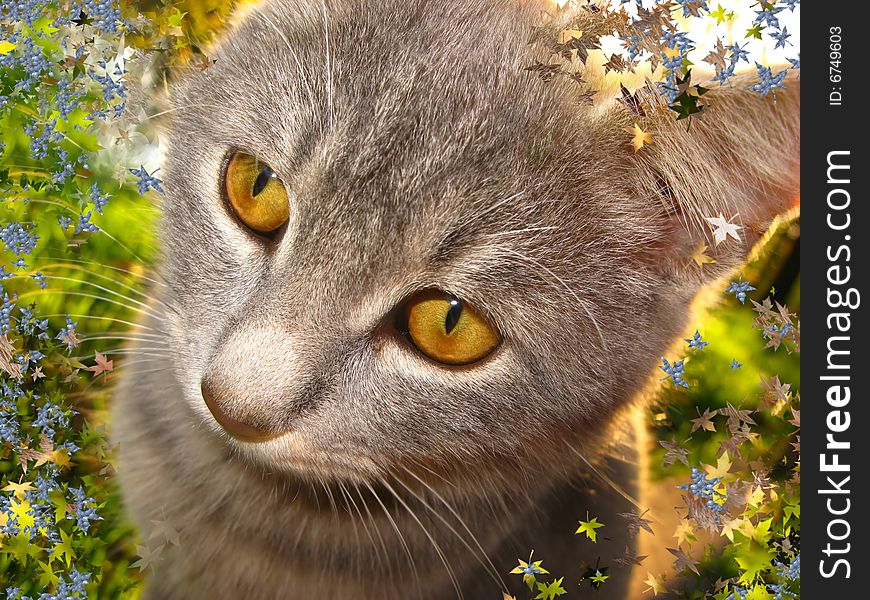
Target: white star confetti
{"points": [[722, 229]]}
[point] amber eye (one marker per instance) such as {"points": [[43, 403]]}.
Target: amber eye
{"points": [[256, 194], [448, 330]]}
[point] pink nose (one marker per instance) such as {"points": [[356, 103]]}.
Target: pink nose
{"points": [[236, 426]]}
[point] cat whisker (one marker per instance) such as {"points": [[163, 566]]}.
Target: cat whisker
{"points": [[89, 283], [79, 317], [299, 68], [104, 266], [125, 363], [450, 572], [385, 555], [435, 473], [54, 267], [615, 486], [398, 531], [383, 559], [483, 557], [350, 514], [374, 559], [154, 370], [99, 287], [151, 351], [329, 496], [177, 108], [583, 304], [145, 309], [119, 337], [124, 246]]}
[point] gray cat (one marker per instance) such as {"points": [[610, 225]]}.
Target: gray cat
{"points": [[407, 290]]}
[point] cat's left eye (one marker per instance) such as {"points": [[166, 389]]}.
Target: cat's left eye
{"points": [[256, 194], [447, 329]]}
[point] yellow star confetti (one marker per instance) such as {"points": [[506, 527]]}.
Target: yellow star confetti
{"points": [[723, 465], [19, 490], [685, 532], [22, 513], [640, 137], [656, 584], [700, 258]]}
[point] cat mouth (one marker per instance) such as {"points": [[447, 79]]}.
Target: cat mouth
{"points": [[290, 455]]}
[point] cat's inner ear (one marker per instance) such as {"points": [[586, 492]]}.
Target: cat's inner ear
{"points": [[722, 178]]}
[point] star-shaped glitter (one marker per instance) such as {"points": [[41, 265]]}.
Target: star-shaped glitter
{"points": [[722, 228]]}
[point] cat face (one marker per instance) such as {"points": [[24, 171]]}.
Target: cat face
{"points": [[447, 263]]}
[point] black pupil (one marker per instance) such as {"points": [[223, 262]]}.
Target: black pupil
{"points": [[262, 180], [453, 315]]}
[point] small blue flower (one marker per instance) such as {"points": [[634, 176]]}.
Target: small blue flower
{"points": [[98, 198], [739, 289], [781, 38], [147, 180], [695, 342], [705, 488], [738, 53], [85, 225], [18, 240], [674, 372], [769, 82]]}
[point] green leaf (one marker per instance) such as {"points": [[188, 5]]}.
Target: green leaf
{"points": [[754, 32], [754, 561], [588, 527], [551, 590]]}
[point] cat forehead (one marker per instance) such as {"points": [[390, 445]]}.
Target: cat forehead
{"points": [[399, 141], [299, 68]]}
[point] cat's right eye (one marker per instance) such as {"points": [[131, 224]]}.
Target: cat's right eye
{"points": [[256, 194]]}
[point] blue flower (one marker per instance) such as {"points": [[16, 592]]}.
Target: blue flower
{"points": [[781, 38], [674, 371], [695, 342], [705, 488], [17, 239], [147, 180], [769, 82], [98, 198], [739, 289], [85, 224]]}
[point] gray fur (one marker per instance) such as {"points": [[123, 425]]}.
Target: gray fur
{"points": [[418, 154]]}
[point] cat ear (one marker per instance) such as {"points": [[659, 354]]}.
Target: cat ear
{"points": [[724, 177]]}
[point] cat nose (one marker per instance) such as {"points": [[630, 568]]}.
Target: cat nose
{"points": [[240, 426]]}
